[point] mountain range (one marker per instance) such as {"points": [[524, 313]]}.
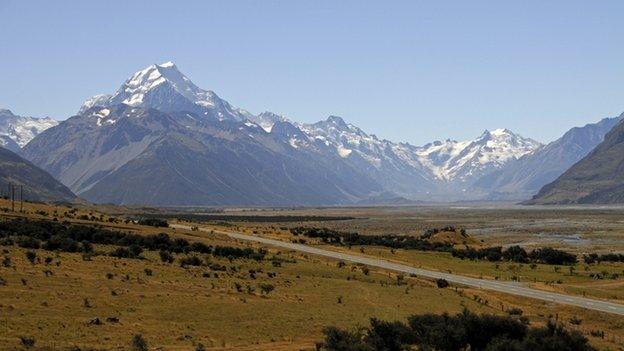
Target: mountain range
{"points": [[161, 140], [16, 131]]}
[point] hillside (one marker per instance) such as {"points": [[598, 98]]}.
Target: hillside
{"points": [[37, 184], [596, 179], [131, 155]]}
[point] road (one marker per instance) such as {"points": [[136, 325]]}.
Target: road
{"points": [[508, 287]]}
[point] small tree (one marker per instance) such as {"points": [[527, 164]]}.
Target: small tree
{"points": [[139, 343], [266, 288], [27, 342], [166, 256], [31, 256], [442, 283]]}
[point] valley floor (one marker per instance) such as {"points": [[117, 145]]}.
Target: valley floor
{"points": [[101, 302]]}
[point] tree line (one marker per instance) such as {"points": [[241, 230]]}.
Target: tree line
{"points": [[546, 255], [596, 258], [68, 237], [387, 240], [463, 331]]}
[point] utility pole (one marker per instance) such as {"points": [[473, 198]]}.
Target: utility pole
{"points": [[21, 198], [12, 198]]}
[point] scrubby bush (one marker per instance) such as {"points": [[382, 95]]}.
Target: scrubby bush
{"points": [[610, 257], [31, 256], [62, 243], [464, 331], [390, 240], [166, 256], [549, 255], [442, 283], [191, 261], [27, 342], [546, 255], [139, 343], [154, 222], [76, 238], [27, 242], [121, 252], [266, 288]]}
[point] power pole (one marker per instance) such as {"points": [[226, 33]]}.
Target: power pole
{"points": [[12, 198], [21, 198]]}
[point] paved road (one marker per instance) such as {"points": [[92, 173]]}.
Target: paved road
{"points": [[512, 288]]}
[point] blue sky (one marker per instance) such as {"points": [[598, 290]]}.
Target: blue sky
{"points": [[405, 70]]}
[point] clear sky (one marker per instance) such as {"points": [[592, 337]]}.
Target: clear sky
{"points": [[405, 70]]}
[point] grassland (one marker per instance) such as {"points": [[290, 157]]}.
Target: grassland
{"points": [[175, 308]]}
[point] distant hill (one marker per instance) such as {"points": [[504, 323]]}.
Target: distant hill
{"points": [[37, 184], [596, 179]]}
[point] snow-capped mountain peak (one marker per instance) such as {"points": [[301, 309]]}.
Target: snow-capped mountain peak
{"points": [[95, 100], [268, 119], [463, 160], [19, 130], [133, 91], [443, 166], [164, 87]]}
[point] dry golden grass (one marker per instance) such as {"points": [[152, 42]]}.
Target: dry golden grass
{"points": [[177, 308]]}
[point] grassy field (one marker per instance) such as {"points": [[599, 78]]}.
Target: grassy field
{"points": [[58, 301]]}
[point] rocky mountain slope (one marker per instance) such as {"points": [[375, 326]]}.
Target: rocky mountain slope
{"points": [[598, 178], [436, 171], [37, 184], [131, 155]]}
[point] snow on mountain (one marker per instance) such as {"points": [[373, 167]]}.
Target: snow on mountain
{"points": [[448, 160], [165, 88], [267, 119], [445, 168], [347, 139], [523, 178], [465, 160], [19, 130], [96, 100]]}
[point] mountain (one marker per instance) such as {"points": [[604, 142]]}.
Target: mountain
{"points": [[598, 178], [437, 171], [522, 178], [130, 155], [162, 140], [392, 165], [37, 184], [466, 161], [16, 131], [165, 88]]}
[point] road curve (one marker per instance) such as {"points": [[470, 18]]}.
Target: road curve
{"points": [[504, 287]]}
